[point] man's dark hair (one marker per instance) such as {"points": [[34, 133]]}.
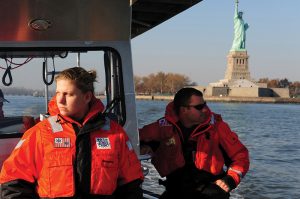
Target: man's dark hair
{"points": [[182, 97]]}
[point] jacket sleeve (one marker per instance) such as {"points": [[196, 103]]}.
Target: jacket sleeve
{"points": [[150, 136], [150, 132], [130, 171], [237, 152], [19, 172], [18, 189]]}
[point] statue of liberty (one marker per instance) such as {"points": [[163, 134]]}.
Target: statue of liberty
{"points": [[239, 41]]}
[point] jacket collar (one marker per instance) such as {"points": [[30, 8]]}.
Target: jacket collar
{"points": [[172, 117]]}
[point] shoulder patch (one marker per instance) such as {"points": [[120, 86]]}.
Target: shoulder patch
{"points": [[20, 144], [164, 122], [55, 125]]}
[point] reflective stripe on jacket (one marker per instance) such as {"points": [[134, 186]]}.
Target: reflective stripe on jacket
{"points": [[208, 156], [95, 158]]}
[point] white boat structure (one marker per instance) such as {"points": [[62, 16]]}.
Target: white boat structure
{"points": [[54, 30]]}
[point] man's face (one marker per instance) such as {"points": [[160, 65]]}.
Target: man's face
{"points": [[192, 112], [1, 110], [71, 101]]}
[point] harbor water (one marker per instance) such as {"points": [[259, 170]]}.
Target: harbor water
{"points": [[270, 131]]}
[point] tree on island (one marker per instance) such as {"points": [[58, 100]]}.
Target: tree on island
{"points": [[162, 83], [294, 87]]}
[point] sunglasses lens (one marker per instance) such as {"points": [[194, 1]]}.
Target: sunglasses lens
{"points": [[200, 106]]}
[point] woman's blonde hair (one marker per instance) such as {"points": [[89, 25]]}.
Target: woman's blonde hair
{"points": [[83, 79]]}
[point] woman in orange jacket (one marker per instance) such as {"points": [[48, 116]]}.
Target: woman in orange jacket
{"points": [[190, 147], [76, 152]]}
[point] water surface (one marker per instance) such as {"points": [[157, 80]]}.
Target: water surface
{"points": [[270, 131]]}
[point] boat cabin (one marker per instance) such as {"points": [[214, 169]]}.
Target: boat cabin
{"points": [[44, 37]]}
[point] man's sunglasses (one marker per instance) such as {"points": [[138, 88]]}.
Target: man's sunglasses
{"points": [[199, 107]]}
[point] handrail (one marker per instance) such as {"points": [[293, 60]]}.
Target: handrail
{"points": [[46, 73]]}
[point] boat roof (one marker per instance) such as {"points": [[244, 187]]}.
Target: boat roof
{"points": [[146, 14], [43, 25]]}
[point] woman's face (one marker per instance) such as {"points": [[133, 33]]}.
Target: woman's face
{"points": [[70, 100]]}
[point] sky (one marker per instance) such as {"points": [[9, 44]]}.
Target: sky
{"points": [[196, 42]]}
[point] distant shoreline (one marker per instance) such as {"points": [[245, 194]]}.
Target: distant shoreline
{"points": [[274, 100]]}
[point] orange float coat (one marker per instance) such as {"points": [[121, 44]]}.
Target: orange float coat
{"points": [[211, 136], [61, 156]]}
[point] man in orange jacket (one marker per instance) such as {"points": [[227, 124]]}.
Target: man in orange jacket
{"points": [[190, 146], [76, 152]]}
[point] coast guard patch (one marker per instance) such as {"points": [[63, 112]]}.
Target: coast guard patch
{"points": [[62, 142], [103, 143], [171, 141], [163, 122]]}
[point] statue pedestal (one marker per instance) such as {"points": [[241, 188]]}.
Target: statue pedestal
{"points": [[237, 65]]}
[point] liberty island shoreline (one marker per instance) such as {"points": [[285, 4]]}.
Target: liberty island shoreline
{"points": [[273, 100]]}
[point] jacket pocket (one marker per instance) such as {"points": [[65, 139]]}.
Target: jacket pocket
{"points": [[61, 178], [104, 177]]}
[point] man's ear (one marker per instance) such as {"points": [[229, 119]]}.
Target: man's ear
{"points": [[182, 109]]}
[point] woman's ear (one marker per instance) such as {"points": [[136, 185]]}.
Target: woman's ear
{"points": [[88, 96]]}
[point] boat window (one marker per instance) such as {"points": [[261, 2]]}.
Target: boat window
{"points": [[115, 107], [28, 93]]}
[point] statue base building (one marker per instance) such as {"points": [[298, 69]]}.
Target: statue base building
{"points": [[238, 82]]}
